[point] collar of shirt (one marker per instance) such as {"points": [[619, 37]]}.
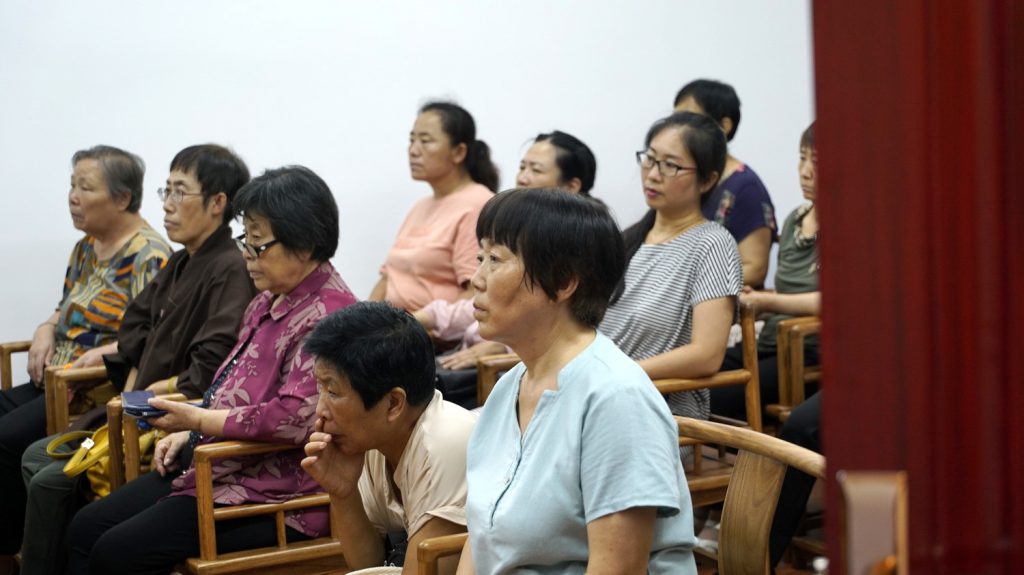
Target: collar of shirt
{"points": [[310, 285]]}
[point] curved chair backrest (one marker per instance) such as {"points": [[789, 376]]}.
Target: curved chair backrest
{"points": [[753, 490]]}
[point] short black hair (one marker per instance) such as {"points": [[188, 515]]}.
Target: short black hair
{"points": [[377, 347], [574, 159], [718, 99], [123, 171], [217, 169], [299, 207], [560, 237]]}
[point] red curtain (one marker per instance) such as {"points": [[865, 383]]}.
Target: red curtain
{"points": [[919, 137]]}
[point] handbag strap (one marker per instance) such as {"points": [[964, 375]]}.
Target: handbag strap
{"points": [[88, 453], [64, 438]]}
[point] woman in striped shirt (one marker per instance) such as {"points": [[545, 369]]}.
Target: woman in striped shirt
{"points": [[673, 309]]}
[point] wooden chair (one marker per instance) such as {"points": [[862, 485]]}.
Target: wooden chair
{"points": [[322, 555], [753, 491], [488, 370], [708, 475], [750, 501], [430, 551], [793, 375], [56, 383], [6, 351]]}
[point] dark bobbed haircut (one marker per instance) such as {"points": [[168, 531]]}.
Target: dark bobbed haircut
{"points": [[718, 99], [807, 138], [377, 347], [560, 236], [299, 206], [217, 169], [705, 142], [460, 128], [123, 171], [574, 159]]}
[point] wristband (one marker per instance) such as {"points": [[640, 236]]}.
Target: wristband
{"points": [[172, 384]]}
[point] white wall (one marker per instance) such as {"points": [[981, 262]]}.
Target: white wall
{"points": [[335, 85]]}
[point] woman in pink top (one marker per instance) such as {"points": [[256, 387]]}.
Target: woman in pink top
{"points": [[434, 254], [265, 391], [554, 160]]}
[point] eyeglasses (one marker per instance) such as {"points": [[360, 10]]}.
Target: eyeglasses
{"points": [[251, 250], [667, 168], [175, 195]]}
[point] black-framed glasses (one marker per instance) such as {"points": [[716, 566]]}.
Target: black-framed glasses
{"points": [[667, 168], [251, 250], [176, 195]]}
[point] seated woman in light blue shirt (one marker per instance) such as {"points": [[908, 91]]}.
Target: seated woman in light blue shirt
{"points": [[574, 465]]}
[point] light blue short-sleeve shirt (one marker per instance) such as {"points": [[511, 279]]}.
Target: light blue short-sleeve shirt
{"points": [[603, 442]]}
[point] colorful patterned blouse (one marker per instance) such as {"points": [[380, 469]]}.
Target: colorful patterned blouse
{"points": [[271, 393], [96, 292]]}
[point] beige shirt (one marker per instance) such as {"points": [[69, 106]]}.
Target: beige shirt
{"points": [[430, 476]]}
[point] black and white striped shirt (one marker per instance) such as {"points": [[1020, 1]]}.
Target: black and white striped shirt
{"points": [[663, 284]]}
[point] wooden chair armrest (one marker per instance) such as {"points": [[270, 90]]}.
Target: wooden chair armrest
{"points": [[203, 459], [430, 550], [56, 383], [487, 369], [746, 376], [205, 454], [720, 379], [787, 324], [7, 349], [790, 353]]}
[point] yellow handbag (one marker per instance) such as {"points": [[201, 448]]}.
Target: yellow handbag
{"points": [[93, 455]]}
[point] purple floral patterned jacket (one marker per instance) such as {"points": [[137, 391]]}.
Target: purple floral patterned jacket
{"points": [[272, 395]]}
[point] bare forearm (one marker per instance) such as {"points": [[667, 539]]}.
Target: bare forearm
{"points": [[685, 362], [790, 303], [362, 546]]}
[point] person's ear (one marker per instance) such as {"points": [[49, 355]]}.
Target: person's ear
{"points": [[217, 203], [397, 403], [727, 125], [458, 153], [709, 184], [574, 185], [566, 292]]}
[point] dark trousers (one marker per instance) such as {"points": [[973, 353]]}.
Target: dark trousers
{"points": [[138, 530], [731, 402], [22, 421], [803, 428]]}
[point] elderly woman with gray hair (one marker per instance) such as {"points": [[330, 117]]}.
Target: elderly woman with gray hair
{"points": [[118, 256]]}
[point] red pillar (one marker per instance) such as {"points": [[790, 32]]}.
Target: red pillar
{"points": [[921, 163]]}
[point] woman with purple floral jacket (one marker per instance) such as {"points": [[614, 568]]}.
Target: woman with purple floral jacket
{"points": [[265, 391]]}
